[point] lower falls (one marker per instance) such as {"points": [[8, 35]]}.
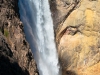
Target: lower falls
{"points": [[39, 32]]}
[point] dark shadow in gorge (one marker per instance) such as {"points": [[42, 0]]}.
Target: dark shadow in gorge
{"points": [[8, 67], [9, 64], [70, 73]]}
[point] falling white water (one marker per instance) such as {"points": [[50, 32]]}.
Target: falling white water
{"points": [[38, 27]]}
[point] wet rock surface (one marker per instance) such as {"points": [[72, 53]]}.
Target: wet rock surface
{"points": [[15, 55]]}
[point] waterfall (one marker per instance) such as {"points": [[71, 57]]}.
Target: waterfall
{"points": [[38, 27]]}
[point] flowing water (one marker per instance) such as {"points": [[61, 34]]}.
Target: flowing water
{"points": [[38, 27]]}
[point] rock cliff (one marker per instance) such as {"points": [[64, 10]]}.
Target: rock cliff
{"points": [[15, 55], [77, 32], [77, 35]]}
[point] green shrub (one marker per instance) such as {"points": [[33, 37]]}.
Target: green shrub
{"points": [[6, 33]]}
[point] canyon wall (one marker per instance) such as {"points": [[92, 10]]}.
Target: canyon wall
{"points": [[77, 32], [76, 24], [15, 55]]}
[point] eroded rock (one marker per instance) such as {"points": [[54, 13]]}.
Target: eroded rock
{"points": [[78, 39], [15, 55]]}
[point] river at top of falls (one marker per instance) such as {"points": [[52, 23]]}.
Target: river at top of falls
{"points": [[38, 27]]}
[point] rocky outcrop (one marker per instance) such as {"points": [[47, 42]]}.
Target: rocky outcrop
{"points": [[15, 55], [60, 11], [77, 36]]}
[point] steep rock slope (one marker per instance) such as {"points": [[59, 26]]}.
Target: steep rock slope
{"points": [[61, 9], [15, 55], [77, 36]]}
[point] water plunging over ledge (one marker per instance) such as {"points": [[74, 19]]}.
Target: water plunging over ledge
{"points": [[38, 27]]}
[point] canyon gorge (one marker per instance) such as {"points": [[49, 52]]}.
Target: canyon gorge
{"points": [[76, 35]]}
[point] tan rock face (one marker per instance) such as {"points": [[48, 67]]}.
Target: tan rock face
{"points": [[79, 40], [15, 54], [60, 10]]}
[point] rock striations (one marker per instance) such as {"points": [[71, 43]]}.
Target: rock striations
{"points": [[15, 55], [78, 35]]}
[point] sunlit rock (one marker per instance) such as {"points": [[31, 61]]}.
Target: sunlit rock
{"points": [[78, 39]]}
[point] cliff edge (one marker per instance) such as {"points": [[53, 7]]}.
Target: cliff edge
{"points": [[15, 55]]}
